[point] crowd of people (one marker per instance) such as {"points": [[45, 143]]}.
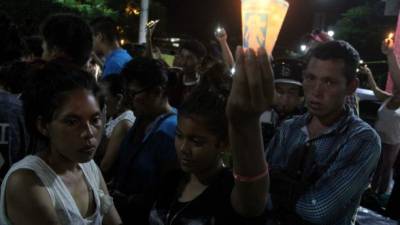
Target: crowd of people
{"points": [[92, 133]]}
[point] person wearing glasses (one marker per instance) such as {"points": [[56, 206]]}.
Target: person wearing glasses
{"points": [[147, 152], [322, 162]]}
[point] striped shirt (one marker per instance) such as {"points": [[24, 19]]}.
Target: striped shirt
{"points": [[335, 196]]}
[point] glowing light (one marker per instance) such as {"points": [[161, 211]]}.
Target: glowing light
{"points": [[262, 22], [361, 61], [390, 36], [331, 33], [131, 10], [303, 48], [233, 71], [122, 41], [175, 40]]}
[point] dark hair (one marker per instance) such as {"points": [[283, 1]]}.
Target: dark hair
{"points": [[115, 82], [216, 77], [135, 50], [34, 46], [339, 50], [196, 48], [146, 72], [14, 75], [208, 101], [12, 45], [48, 89], [107, 27], [70, 34]]}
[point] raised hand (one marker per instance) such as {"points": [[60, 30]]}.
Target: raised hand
{"points": [[221, 35], [387, 46], [252, 90]]}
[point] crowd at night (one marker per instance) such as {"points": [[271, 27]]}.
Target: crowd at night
{"points": [[267, 112]]}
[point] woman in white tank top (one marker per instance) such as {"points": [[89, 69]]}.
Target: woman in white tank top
{"points": [[62, 184], [388, 122]]}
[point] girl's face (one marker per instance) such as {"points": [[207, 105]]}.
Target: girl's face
{"points": [[75, 129], [197, 148]]}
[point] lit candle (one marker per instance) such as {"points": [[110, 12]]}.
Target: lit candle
{"points": [[261, 22]]}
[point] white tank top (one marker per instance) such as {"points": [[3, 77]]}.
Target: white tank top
{"points": [[63, 202], [111, 124], [388, 124]]}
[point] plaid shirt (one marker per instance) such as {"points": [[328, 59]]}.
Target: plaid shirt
{"points": [[13, 135], [335, 196]]}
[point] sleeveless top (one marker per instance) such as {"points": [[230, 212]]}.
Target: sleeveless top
{"points": [[62, 200], [112, 123], [388, 124]]}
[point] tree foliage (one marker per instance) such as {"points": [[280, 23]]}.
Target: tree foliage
{"points": [[365, 27]]}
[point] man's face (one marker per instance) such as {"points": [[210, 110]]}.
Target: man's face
{"points": [[288, 98], [325, 87]]}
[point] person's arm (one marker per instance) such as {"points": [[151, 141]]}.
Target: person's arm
{"points": [[27, 200], [251, 95], [344, 181], [112, 217], [227, 56], [113, 145], [149, 36], [394, 68], [379, 93]]}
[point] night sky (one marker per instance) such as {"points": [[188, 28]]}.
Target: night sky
{"points": [[198, 18]]}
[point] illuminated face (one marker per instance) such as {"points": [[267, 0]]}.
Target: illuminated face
{"points": [[197, 148], [325, 87], [75, 130]]}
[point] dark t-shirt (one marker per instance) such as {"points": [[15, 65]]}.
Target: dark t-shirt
{"points": [[212, 207], [144, 157], [13, 135]]}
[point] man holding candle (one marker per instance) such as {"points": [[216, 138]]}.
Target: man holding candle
{"points": [[321, 162]]}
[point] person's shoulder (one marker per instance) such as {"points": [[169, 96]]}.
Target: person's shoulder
{"points": [[24, 184], [10, 100], [120, 55], [168, 125], [361, 129], [22, 179], [294, 123]]}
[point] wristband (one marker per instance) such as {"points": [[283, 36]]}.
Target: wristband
{"points": [[250, 179]]}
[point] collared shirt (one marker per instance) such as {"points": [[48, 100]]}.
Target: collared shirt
{"points": [[115, 61], [271, 120], [335, 196]]}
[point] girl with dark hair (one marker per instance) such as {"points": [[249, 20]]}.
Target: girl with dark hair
{"points": [[209, 123], [61, 184], [119, 119]]}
